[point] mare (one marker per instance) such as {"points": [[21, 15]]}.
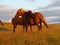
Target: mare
{"points": [[22, 19], [28, 18]]}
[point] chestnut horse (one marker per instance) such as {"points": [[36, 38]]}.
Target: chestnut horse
{"points": [[1, 22], [38, 20], [22, 19], [28, 18]]}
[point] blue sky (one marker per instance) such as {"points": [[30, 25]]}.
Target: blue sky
{"points": [[8, 8], [26, 4]]}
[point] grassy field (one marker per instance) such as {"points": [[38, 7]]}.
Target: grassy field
{"points": [[46, 36]]}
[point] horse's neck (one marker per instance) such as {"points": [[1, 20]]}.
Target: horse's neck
{"points": [[20, 13]]}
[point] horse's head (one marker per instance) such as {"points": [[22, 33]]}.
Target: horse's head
{"points": [[29, 13]]}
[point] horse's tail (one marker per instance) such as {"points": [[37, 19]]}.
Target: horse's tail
{"points": [[43, 20]]}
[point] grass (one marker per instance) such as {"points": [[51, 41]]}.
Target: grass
{"points": [[46, 36]]}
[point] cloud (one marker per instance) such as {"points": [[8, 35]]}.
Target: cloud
{"points": [[30, 0], [7, 12], [55, 0], [52, 19], [4, 6], [55, 4], [0, 0]]}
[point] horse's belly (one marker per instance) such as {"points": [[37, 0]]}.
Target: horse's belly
{"points": [[20, 23], [37, 20], [32, 21]]}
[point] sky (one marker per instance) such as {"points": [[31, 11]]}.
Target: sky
{"points": [[26, 4], [49, 8]]}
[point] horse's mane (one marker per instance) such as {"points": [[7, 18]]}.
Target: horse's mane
{"points": [[20, 12]]}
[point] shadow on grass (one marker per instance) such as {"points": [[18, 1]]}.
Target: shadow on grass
{"points": [[4, 29]]}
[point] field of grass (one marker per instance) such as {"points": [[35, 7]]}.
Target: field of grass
{"points": [[46, 36]]}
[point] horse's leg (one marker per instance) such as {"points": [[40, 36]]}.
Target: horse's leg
{"points": [[14, 27], [26, 27], [40, 25], [31, 28], [23, 27]]}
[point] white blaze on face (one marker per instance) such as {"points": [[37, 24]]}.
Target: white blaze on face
{"points": [[20, 16]]}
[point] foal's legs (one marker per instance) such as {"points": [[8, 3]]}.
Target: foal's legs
{"points": [[14, 26]]}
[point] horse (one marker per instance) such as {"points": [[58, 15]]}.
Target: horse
{"points": [[22, 19], [38, 20], [1, 22], [28, 18]]}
